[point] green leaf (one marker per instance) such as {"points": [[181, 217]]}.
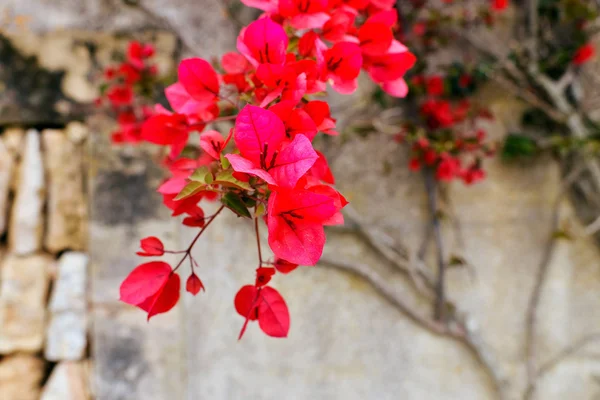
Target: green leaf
{"points": [[260, 210], [190, 189], [518, 146], [226, 178], [235, 204], [202, 175], [225, 162]]}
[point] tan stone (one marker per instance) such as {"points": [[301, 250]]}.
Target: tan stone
{"points": [[26, 222], [23, 292], [68, 381], [66, 337], [67, 209], [20, 377], [13, 139], [77, 132]]}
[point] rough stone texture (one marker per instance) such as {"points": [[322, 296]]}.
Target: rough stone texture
{"points": [[7, 163], [20, 377], [66, 226], [66, 338], [23, 290], [26, 222], [68, 381]]}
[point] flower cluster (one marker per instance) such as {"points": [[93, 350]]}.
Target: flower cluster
{"points": [[265, 168], [446, 137], [124, 89]]}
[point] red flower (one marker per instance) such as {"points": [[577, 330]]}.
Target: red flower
{"points": [[199, 79], [152, 286], [120, 95], [584, 54], [304, 14], [499, 5], [263, 276], [151, 246], [342, 65], [193, 284], [263, 42], [435, 85], [260, 136], [295, 223], [448, 168], [388, 69]]}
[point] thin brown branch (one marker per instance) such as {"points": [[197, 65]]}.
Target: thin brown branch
{"points": [[534, 300], [440, 288], [562, 355], [532, 15], [395, 253], [567, 352], [385, 289], [462, 331], [542, 272]]}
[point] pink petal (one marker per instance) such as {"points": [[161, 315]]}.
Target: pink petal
{"points": [[293, 162], [240, 164]]}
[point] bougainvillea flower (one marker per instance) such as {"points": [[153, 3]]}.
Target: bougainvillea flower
{"points": [[389, 69], [473, 175], [296, 120], [193, 284], [285, 168], [166, 129], [152, 286], [259, 135], [295, 223], [283, 82], [120, 95], [375, 38], [339, 201], [357, 5], [434, 85], [199, 79], [584, 54], [182, 103], [321, 170], [151, 246], [195, 218], [130, 74], [284, 266], [212, 143], [336, 28], [236, 69], [266, 305], [448, 168], [264, 275], [304, 14], [138, 52], [321, 116], [342, 64], [263, 42], [438, 113], [499, 5]]}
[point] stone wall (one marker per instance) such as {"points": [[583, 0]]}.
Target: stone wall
{"points": [[43, 268], [357, 329]]}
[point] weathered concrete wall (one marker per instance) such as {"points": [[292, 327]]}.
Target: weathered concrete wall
{"points": [[347, 341]]}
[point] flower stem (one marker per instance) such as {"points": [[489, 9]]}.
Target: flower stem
{"points": [[188, 251]]}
